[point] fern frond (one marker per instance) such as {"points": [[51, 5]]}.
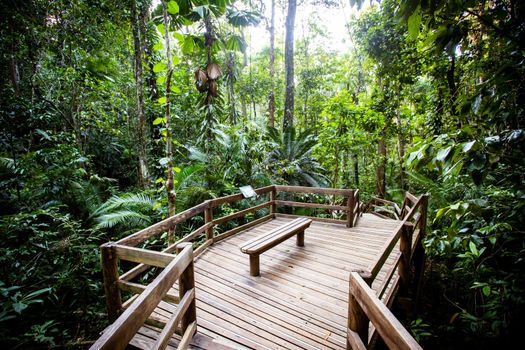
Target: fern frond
{"points": [[126, 218]]}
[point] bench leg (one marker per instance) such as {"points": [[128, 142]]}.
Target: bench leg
{"points": [[254, 265], [300, 239]]}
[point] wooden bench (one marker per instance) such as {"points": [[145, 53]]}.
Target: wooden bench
{"points": [[262, 243]]}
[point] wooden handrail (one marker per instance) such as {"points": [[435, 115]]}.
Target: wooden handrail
{"points": [[364, 305], [119, 334], [367, 307], [315, 190]]}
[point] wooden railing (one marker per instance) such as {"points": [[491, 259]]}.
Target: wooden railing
{"points": [[351, 208], [204, 236], [180, 267], [365, 306]]}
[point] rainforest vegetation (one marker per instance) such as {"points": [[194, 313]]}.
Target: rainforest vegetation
{"points": [[117, 114]]}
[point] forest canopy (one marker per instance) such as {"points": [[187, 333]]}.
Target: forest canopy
{"points": [[117, 114]]}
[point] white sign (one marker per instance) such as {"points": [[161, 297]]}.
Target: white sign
{"points": [[247, 191]]}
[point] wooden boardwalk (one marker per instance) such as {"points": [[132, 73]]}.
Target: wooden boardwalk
{"points": [[300, 300]]}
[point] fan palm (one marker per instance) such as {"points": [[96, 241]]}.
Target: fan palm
{"points": [[291, 161]]}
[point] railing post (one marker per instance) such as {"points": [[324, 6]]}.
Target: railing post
{"points": [[350, 210], [208, 218], [273, 198], [419, 251], [186, 283], [358, 322], [405, 245], [109, 260]]}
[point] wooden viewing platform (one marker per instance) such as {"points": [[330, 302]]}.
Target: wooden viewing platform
{"points": [[310, 297]]}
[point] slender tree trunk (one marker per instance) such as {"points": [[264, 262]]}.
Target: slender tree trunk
{"points": [[381, 171], [271, 96], [356, 169], [143, 173], [451, 72], [230, 79], [172, 197], [289, 65], [401, 150]]}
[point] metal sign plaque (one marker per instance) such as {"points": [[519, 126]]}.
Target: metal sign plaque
{"points": [[247, 191]]}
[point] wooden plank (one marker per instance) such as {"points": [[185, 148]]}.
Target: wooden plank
{"points": [[163, 226], [272, 304], [310, 205], [137, 270], [385, 251], [202, 247], [136, 288], [354, 342], [188, 335], [270, 239], [328, 297], [109, 261], [391, 330], [174, 320], [118, 335], [144, 256], [314, 190], [241, 213], [210, 289], [327, 220], [411, 197], [189, 237], [237, 197], [241, 228], [248, 322]]}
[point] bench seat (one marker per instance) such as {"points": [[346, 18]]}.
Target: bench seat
{"points": [[268, 240]]}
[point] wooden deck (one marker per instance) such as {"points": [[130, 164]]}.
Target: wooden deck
{"points": [[300, 300]]}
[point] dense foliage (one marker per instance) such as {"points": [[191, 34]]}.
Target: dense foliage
{"points": [[100, 132]]}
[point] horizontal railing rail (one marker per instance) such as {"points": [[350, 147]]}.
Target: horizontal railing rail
{"points": [[365, 307], [180, 267], [407, 235]]}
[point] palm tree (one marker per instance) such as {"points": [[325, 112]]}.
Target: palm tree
{"points": [[291, 160]]}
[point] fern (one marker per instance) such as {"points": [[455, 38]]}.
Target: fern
{"points": [[126, 218]]}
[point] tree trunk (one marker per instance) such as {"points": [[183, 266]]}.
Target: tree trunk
{"points": [[271, 96], [401, 150], [356, 170], [143, 173], [289, 65], [230, 79], [452, 84], [381, 176], [172, 206]]}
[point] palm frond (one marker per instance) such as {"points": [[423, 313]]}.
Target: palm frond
{"points": [[126, 218], [126, 201]]}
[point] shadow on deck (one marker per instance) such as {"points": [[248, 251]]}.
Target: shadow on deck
{"points": [[301, 298]]}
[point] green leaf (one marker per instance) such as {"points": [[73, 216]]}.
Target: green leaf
{"points": [[158, 121], [162, 100], [414, 22], [19, 307], [160, 28], [176, 169], [467, 146], [161, 80], [158, 46], [473, 248], [443, 153], [173, 8], [159, 67], [188, 46], [175, 89], [179, 37], [175, 59]]}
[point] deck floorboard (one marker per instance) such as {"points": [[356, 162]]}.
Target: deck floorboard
{"points": [[300, 299]]}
